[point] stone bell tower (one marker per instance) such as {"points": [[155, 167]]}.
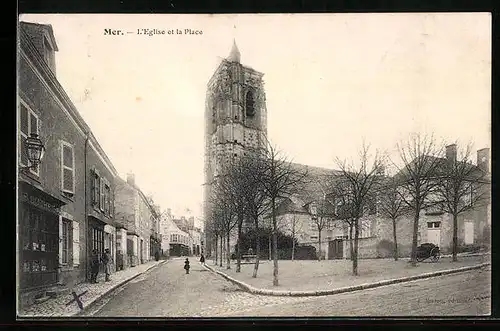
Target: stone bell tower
{"points": [[235, 118]]}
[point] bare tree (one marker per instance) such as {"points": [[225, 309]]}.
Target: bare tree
{"points": [[358, 184], [293, 226], [279, 180], [420, 158], [321, 215], [225, 214], [391, 206], [460, 187], [231, 184]]}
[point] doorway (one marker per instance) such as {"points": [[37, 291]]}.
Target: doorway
{"points": [[434, 233], [335, 249], [469, 233]]}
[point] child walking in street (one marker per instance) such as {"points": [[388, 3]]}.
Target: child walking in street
{"points": [[202, 259], [186, 266]]}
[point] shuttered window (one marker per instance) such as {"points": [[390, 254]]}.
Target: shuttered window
{"points": [[101, 203], [67, 168], [66, 240], [96, 188], [76, 243], [29, 123]]}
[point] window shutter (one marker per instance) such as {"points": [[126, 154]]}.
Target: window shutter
{"points": [[76, 243], [101, 205], [24, 120], [60, 239], [33, 124]]}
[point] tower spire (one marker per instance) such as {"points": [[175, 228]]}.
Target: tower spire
{"points": [[234, 55]]}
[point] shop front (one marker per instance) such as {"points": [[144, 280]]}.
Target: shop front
{"points": [[38, 237]]}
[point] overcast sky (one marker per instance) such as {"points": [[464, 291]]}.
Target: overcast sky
{"points": [[330, 81]]}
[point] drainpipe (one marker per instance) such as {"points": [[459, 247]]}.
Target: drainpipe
{"points": [[86, 211]]}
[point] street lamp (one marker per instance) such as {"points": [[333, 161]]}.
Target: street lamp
{"points": [[35, 150]]}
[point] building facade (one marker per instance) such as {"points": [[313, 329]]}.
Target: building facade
{"points": [[142, 223], [58, 205], [235, 119], [376, 237]]}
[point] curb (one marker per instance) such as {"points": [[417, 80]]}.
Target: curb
{"points": [[260, 291], [91, 303]]}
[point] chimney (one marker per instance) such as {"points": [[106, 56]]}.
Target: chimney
{"points": [[483, 159], [451, 152], [169, 211], [131, 179]]}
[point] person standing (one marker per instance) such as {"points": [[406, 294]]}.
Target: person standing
{"points": [[186, 266], [106, 259], [94, 266], [202, 259]]}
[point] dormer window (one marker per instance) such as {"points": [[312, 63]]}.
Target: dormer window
{"points": [[48, 54]]}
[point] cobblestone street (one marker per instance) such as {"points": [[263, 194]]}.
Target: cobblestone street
{"points": [[57, 307], [167, 291]]}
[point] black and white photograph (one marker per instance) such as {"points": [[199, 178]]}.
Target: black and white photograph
{"points": [[253, 165]]}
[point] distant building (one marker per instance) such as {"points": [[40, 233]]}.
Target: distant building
{"points": [[143, 222]]}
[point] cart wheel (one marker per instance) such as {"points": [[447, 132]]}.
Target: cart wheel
{"points": [[435, 254], [420, 259]]}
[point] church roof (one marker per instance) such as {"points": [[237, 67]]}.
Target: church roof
{"points": [[234, 55]]}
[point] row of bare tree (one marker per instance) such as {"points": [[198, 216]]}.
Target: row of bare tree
{"points": [[251, 188]]}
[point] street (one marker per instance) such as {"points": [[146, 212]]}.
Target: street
{"points": [[166, 291]]}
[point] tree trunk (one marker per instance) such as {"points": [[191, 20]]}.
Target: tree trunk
{"points": [[275, 245], [238, 248], [455, 237], [257, 251], [395, 240], [355, 255], [228, 253], [293, 247], [216, 249], [270, 250], [351, 248], [319, 245], [221, 249], [415, 238]]}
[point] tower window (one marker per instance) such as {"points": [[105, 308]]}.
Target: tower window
{"points": [[250, 104]]}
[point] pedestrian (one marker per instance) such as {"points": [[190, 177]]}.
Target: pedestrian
{"points": [[186, 266], [202, 259], [94, 266], [106, 259]]}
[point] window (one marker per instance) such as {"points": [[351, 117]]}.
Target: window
{"points": [[66, 240], [364, 229], [314, 237], [250, 104], [107, 200], [28, 123], [47, 52], [95, 184], [67, 168], [98, 240], [102, 197], [433, 225]]}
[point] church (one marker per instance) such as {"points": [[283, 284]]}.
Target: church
{"points": [[235, 123]]}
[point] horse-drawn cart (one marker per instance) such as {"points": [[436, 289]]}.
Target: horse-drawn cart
{"points": [[426, 251]]}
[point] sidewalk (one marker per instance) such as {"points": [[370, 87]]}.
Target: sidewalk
{"points": [[305, 278], [57, 307]]}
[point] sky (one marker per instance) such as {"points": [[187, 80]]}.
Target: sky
{"points": [[331, 81]]}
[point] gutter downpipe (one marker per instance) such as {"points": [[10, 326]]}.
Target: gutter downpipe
{"points": [[86, 211]]}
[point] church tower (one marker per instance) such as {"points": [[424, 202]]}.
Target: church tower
{"points": [[235, 119]]}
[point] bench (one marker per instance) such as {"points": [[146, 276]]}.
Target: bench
{"points": [[247, 257]]}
